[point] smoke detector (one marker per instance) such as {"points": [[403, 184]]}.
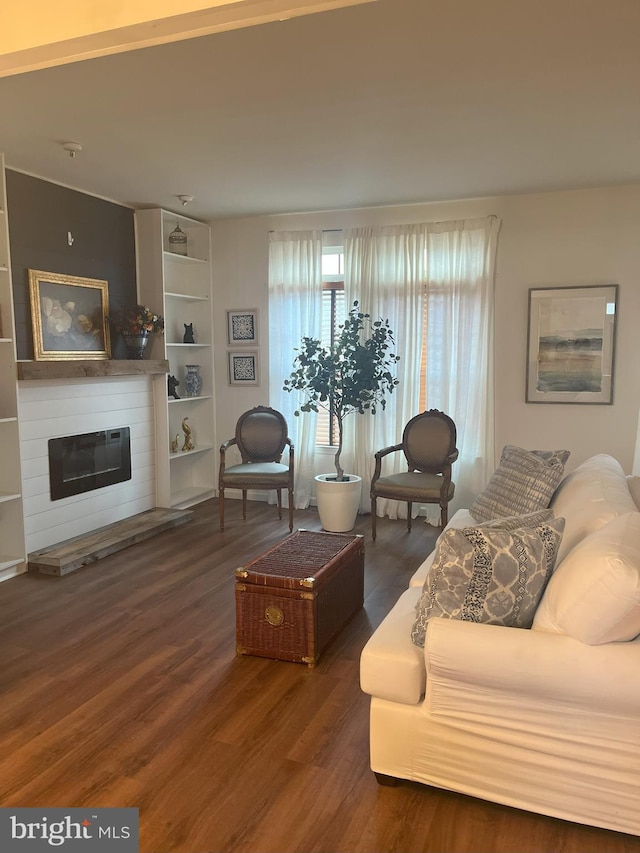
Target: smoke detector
{"points": [[72, 147]]}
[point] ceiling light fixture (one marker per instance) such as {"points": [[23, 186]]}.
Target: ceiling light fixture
{"points": [[185, 199], [72, 147]]}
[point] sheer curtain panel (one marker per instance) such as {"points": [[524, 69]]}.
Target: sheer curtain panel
{"points": [[295, 305]]}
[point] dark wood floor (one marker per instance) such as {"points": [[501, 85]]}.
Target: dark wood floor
{"points": [[120, 687]]}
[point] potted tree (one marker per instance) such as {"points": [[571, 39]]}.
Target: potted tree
{"points": [[352, 376]]}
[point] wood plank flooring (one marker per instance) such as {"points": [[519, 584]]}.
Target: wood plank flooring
{"points": [[120, 686]]}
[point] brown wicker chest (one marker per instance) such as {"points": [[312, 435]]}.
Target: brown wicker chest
{"points": [[294, 599]]}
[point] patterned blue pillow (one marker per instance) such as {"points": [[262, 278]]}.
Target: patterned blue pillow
{"points": [[488, 574]]}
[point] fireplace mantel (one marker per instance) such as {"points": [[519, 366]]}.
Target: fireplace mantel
{"points": [[83, 368]]}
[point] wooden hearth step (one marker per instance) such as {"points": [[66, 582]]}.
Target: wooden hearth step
{"points": [[74, 553]]}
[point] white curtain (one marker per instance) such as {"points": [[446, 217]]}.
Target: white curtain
{"points": [[391, 270], [385, 271], [460, 346], [295, 306]]}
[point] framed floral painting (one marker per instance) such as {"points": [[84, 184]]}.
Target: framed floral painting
{"points": [[69, 316]]}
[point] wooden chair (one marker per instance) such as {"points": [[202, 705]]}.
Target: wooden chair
{"points": [[429, 446], [261, 436]]}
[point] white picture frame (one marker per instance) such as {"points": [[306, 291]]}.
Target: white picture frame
{"points": [[244, 367], [571, 344], [242, 327]]}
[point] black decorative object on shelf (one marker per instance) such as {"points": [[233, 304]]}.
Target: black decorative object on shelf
{"points": [[172, 384], [188, 334]]}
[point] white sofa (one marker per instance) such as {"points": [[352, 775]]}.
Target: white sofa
{"points": [[535, 719]]}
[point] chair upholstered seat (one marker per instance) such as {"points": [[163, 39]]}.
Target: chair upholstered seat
{"points": [[429, 447], [261, 437], [413, 486], [263, 473]]}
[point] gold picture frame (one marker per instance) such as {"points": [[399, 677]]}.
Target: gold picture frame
{"points": [[70, 317]]}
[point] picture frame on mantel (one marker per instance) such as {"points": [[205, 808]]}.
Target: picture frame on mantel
{"points": [[69, 316], [571, 344]]}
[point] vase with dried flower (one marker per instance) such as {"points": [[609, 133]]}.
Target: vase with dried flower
{"points": [[135, 323]]}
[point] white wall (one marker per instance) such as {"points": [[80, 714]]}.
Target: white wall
{"points": [[53, 409], [553, 239]]}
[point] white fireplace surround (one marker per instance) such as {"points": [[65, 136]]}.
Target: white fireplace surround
{"points": [[55, 408]]}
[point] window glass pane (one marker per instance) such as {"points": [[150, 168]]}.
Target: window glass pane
{"points": [[331, 263], [333, 316]]}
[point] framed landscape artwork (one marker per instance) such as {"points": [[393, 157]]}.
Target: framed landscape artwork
{"points": [[242, 327], [69, 316], [571, 344], [244, 368]]}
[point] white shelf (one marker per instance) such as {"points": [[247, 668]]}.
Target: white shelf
{"points": [[172, 400], [185, 454], [12, 538], [187, 296], [183, 259], [182, 285]]}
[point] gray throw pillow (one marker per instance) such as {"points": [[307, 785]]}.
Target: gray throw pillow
{"points": [[487, 574], [523, 482]]}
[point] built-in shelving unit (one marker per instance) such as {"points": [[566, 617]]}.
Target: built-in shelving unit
{"points": [[179, 287], [12, 540]]}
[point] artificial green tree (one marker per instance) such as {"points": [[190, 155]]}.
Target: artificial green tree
{"points": [[353, 375]]}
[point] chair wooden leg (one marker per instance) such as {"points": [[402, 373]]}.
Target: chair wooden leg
{"points": [[444, 515], [221, 506], [290, 510], [244, 504], [409, 510], [373, 518], [279, 493]]}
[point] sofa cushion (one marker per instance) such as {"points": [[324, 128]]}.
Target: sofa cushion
{"points": [[523, 482], [594, 594], [589, 497], [463, 518], [490, 575]]}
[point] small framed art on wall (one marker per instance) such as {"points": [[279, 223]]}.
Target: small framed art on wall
{"points": [[244, 368]]}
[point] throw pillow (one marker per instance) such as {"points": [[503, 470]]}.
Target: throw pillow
{"points": [[485, 574], [523, 482], [513, 522], [589, 497], [594, 594]]}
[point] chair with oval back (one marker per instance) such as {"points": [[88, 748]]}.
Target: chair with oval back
{"points": [[261, 437], [429, 446]]}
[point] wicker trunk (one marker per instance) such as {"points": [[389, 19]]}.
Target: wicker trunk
{"points": [[294, 599]]}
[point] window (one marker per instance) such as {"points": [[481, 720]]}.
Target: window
{"points": [[333, 315]]}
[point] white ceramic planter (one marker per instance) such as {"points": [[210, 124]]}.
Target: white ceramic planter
{"points": [[338, 501]]}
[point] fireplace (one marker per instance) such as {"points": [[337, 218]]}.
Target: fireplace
{"points": [[82, 463]]}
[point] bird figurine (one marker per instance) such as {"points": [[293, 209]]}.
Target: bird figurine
{"points": [[186, 429], [175, 444]]}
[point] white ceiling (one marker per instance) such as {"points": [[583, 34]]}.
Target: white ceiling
{"points": [[389, 102]]}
